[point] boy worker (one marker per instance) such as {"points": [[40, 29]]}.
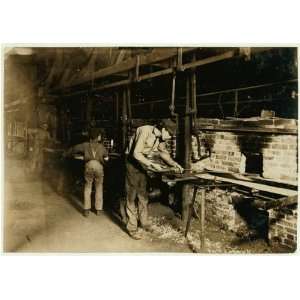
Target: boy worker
{"points": [[94, 155]]}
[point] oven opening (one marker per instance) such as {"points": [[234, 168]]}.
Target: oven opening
{"points": [[254, 163]]}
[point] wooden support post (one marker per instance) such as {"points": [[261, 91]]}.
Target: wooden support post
{"points": [[117, 107], [191, 209], [117, 129], [124, 120], [186, 139], [202, 218], [236, 99], [194, 90], [129, 95], [187, 126]]}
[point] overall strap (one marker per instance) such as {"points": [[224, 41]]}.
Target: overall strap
{"points": [[93, 151]]}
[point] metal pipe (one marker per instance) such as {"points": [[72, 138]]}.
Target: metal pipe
{"points": [[172, 106]]}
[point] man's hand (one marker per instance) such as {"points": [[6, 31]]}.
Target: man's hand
{"points": [[179, 168], [155, 167]]}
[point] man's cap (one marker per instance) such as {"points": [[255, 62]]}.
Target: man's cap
{"points": [[170, 125], [95, 132]]}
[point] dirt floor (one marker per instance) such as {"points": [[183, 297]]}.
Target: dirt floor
{"points": [[37, 219]]}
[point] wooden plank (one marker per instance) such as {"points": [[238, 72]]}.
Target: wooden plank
{"points": [[216, 58], [253, 185], [111, 85], [120, 56], [209, 60], [156, 74], [282, 202], [275, 203]]}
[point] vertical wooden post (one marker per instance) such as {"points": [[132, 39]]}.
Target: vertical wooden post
{"points": [[187, 126], [236, 99], [124, 119], [194, 91], [202, 220], [129, 96], [117, 107], [186, 139]]}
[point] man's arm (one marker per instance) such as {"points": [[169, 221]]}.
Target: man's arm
{"points": [[104, 152], [166, 157], [141, 137]]}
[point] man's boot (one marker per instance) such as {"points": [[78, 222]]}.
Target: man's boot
{"points": [[136, 235], [86, 213]]}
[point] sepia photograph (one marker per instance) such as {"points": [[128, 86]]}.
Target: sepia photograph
{"points": [[150, 149]]}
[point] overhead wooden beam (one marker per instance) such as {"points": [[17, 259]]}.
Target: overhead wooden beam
{"points": [[120, 56], [209, 60]]}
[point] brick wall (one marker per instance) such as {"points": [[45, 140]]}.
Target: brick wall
{"points": [[225, 152], [280, 157], [221, 211], [283, 226]]}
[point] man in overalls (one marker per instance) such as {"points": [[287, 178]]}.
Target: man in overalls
{"points": [[94, 155], [147, 144]]}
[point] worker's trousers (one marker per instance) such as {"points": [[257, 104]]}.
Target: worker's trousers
{"points": [[37, 161], [93, 174], [136, 189]]}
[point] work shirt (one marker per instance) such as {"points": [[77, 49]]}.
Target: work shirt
{"points": [[146, 144], [90, 151]]}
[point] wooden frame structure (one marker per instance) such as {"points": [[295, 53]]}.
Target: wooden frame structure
{"points": [[173, 57]]}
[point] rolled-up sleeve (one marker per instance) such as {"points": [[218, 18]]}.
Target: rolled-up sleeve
{"points": [[165, 154], [140, 140]]}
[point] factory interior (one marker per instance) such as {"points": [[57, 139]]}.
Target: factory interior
{"points": [[236, 139]]}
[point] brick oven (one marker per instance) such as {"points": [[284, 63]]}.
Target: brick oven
{"points": [[265, 149]]}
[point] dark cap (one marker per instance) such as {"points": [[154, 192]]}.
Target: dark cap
{"points": [[95, 132], [169, 125]]}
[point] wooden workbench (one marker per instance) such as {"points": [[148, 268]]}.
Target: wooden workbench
{"points": [[209, 179], [241, 180]]}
